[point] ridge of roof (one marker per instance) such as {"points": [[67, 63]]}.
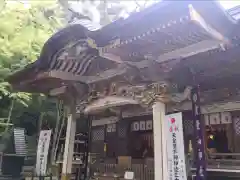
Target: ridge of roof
{"points": [[121, 22], [210, 10], [234, 12]]}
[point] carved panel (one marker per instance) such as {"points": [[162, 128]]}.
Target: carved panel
{"points": [[145, 94]]}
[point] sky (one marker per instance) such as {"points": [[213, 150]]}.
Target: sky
{"points": [[226, 4], [230, 4], [130, 6]]}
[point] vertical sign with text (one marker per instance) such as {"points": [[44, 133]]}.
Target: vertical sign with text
{"points": [[175, 147], [198, 124], [42, 152]]}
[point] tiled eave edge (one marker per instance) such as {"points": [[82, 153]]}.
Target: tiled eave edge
{"points": [[217, 41]]}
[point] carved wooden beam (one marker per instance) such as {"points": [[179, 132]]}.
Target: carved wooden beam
{"points": [[159, 92], [144, 95], [29, 80], [112, 57], [186, 106], [146, 62], [108, 74], [109, 102], [191, 50]]}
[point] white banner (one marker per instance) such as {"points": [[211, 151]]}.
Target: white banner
{"points": [[42, 152], [175, 147]]}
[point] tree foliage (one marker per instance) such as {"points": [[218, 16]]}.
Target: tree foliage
{"points": [[102, 12], [23, 31], [25, 27]]}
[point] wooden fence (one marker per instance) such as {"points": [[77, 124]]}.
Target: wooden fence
{"points": [[218, 162], [141, 171]]}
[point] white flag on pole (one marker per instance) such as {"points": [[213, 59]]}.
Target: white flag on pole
{"points": [[175, 147], [42, 152]]}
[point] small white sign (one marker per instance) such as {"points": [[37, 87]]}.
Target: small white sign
{"points": [[42, 152], [214, 118], [142, 125], [111, 128], [149, 125], [135, 126], [226, 118], [129, 175]]}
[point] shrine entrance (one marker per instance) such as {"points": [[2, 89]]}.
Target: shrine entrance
{"points": [[159, 59]]}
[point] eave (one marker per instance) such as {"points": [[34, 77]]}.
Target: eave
{"points": [[190, 30], [212, 68], [209, 66], [32, 81], [62, 59], [234, 12]]}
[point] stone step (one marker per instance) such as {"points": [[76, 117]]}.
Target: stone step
{"points": [[37, 178], [2, 177]]}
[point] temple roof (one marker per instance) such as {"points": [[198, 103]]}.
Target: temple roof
{"points": [[213, 69], [162, 13], [234, 12], [143, 46]]}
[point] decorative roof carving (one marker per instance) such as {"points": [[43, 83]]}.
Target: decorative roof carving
{"points": [[218, 100], [143, 94]]}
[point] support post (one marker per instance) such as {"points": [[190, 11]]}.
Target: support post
{"points": [[160, 142], [88, 149], [69, 142]]}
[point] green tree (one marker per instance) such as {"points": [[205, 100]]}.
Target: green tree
{"points": [[23, 31]]}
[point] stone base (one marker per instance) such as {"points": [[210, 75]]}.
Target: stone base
{"points": [[37, 178]]}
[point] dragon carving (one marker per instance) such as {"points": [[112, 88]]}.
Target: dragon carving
{"points": [[148, 94]]}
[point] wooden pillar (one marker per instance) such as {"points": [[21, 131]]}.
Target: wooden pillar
{"points": [[160, 142], [88, 149], [69, 142]]}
